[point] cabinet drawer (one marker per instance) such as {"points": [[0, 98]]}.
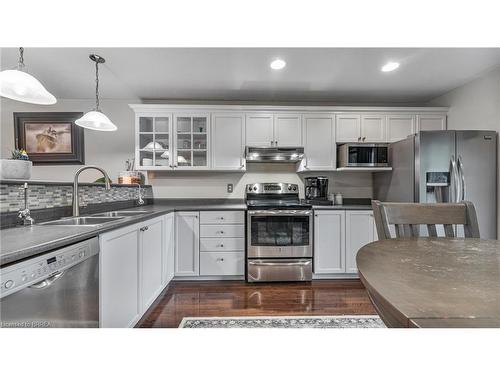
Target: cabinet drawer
{"points": [[222, 244], [222, 263], [236, 230], [222, 217]]}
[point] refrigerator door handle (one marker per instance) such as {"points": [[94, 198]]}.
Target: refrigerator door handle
{"points": [[454, 180], [462, 176]]}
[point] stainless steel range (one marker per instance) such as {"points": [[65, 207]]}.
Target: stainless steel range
{"points": [[279, 234]]}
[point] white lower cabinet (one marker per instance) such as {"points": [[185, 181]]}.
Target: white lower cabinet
{"points": [[360, 230], [222, 263], [338, 236], [187, 243], [226, 230], [133, 270], [151, 260], [222, 243], [329, 244], [119, 304], [169, 249]]}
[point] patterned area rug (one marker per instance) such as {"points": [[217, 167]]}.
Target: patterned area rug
{"points": [[336, 321]]}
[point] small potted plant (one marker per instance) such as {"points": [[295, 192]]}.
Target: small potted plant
{"points": [[18, 167]]}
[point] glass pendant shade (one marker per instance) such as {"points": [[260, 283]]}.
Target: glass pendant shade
{"points": [[21, 86], [96, 120]]}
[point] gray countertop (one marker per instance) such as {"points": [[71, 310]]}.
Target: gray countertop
{"points": [[23, 242], [348, 207]]}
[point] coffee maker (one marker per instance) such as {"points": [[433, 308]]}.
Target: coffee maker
{"points": [[316, 190]]}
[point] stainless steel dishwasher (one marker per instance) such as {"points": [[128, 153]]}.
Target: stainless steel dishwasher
{"points": [[57, 289]]}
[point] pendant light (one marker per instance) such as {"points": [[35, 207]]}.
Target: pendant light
{"points": [[18, 85], [95, 119]]}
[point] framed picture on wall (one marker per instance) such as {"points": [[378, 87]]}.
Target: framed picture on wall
{"points": [[50, 137]]}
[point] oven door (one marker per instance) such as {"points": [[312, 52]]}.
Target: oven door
{"points": [[279, 234]]}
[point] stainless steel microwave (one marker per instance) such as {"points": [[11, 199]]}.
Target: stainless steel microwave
{"points": [[363, 155]]}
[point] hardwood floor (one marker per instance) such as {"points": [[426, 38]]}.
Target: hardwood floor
{"points": [[237, 298]]}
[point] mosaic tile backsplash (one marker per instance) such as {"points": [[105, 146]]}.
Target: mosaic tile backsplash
{"points": [[50, 196]]}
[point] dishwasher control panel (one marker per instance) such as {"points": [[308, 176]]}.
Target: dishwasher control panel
{"points": [[36, 270]]}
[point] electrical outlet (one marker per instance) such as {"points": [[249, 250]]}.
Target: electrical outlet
{"points": [[229, 188]]}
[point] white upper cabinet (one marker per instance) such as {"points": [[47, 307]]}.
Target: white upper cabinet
{"points": [[431, 122], [288, 130], [259, 129], [360, 128], [319, 143], [228, 141], [213, 138], [373, 128], [191, 141], [153, 141], [348, 128], [399, 127]]}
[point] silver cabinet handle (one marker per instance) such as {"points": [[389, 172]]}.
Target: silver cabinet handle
{"points": [[220, 259], [221, 218], [143, 229], [364, 139], [359, 139], [221, 232]]}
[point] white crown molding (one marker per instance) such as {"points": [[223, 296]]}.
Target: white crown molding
{"points": [[144, 108]]}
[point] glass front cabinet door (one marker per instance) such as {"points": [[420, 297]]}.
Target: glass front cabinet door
{"points": [[170, 142], [191, 141], [153, 142]]}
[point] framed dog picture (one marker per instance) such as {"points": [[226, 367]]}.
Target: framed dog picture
{"points": [[50, 137]]}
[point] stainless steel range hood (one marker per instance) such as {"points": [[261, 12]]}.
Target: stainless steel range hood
{"points": [[274, 154]]}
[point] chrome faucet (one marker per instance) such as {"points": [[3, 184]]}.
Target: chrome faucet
{"points": [[76, 200], [25, 214], [140, 200]]}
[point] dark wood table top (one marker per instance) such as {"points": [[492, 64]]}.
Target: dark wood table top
{"points": [[433, 282]]}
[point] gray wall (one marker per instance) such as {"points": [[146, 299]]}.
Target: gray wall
{"points": [[106, 149], [475, 105]]}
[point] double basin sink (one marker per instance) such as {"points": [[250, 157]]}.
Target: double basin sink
{"points": [[96, 219]]}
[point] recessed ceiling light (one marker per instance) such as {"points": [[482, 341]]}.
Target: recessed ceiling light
{"points": [[278, 64], [390, 66]]}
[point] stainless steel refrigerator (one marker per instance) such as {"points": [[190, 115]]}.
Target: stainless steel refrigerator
{"points": [[445, 166]]}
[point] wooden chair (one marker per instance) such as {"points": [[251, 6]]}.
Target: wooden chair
{"points": [[408, 217]]}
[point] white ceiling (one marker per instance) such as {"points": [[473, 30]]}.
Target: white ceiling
{"points": [[312, 74]]}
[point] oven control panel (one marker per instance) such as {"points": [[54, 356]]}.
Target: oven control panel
{"points": [[32, 271], [272, 188]]}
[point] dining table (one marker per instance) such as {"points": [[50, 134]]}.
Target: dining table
{"points": [[433, 282]]}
